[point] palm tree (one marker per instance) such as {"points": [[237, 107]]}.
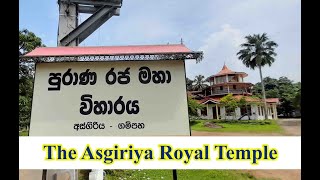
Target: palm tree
{"points": [[258, 51], [199, 82], [189, 83]]}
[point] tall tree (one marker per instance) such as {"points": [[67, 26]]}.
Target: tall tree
{"points": [[189, 84], [200, 82], [27, 42], [288, 92], [271, 88], [193, 106], [257, 52], [230, 103]]}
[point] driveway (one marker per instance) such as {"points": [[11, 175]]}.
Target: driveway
{"points": [[291, 127]]}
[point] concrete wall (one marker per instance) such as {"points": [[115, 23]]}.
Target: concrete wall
{"points": [[255, 115], [30, 174], [209, 111]]}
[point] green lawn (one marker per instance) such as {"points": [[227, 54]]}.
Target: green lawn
{"points": [[182, 175], [256, 126], [23, 133]]}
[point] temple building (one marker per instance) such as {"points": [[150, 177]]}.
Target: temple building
{"points": [[230, 82]]}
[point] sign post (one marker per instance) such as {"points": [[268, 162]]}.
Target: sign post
{"points": [[127, 98], [110, 91]]}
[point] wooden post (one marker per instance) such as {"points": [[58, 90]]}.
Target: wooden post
{"points": [[175, 176]]}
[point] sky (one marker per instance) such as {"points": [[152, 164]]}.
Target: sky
{"points": [[216, 27]]}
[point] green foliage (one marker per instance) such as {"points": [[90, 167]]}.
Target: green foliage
{"points": [[24, 133], [297, 100], [254, 122], [181, 173], [230, 103], [257, 51], [84, 174], [27, 42], [242, 101], [199, 83], [189, 84], [288, 92], [193, 105]]}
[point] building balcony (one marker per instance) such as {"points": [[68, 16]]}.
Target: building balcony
{"points": [[226, 91]]}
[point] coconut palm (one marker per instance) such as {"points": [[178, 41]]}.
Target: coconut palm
{"points": [[257, 52], [189, 85], [199, 82]]}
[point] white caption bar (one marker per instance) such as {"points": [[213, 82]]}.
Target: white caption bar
{"points": [[160, 152]]}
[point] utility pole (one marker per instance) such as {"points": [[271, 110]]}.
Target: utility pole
{"points": [[70, 33], [68, 21]]}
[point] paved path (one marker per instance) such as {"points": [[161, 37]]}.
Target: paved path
{"points": [[292, 127], [294, 174]]}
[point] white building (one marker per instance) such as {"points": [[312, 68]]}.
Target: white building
{"points": [[231, 82]]}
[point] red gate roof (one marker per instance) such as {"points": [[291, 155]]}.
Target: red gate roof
{"points": [[108, 50]]}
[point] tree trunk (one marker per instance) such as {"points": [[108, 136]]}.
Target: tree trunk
{"points": [[264, 94]]}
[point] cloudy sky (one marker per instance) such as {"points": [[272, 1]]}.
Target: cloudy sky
{"points": [[216, 27]]}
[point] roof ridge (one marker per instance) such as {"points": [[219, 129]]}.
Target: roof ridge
{"points": [[116, 46]]}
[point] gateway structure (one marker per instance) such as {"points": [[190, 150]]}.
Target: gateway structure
{"points": [[231, 82]]}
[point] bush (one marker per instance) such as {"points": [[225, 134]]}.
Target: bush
{"points": [[194, 117], [193, 122], [256, 122]]}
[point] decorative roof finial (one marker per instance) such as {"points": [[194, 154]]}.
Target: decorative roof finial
{"points": [[181, 41]]}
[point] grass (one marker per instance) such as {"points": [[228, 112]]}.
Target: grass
{"points": [[255, 126], [24, 133], [167, 175]]}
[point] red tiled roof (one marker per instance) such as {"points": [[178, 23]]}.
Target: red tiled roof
{"points": [[216, 99], [272, 100], [108, 50], [248, 99], [225, 70]]}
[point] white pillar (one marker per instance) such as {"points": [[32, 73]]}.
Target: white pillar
{"points": [[96, 174], [217, 111], [237, 113], [275, 111], [199, 112], [223, 112]]}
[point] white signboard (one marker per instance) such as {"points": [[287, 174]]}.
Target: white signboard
{"points": [[127, 98]]}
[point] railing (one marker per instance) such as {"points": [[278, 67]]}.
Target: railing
{"points": [[225, 91]]}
